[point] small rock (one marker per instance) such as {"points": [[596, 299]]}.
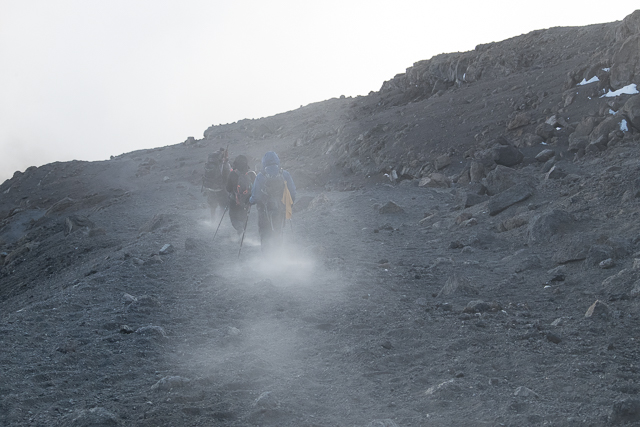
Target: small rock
{"points": [[456, 245], [548, 165], [129, 298], [75, 223], [435, 180], [548, 225], [521, 119], [507, 155], [166, 249], [555, 173], [598, 254], [545, 155], [545, 131], [457, 285], [154, 223], [155, 259], [470, 222], [607, 263], [553, 338], [442, 162], [472, 199], [597, 309], [266, 401], [508, 198], [464, 216], [525, 392], [476, 171], [167, 383], [625, 411], [391, 208], [137, 261], [152, 331], [422, 302], [89, 418], [148, 301], [480, 306], [513, 223], [126, 329]]}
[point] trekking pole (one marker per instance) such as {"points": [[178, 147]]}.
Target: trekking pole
{"points": [[220, 223], [244, 231]]}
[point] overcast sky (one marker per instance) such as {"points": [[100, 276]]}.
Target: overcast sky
{"points": [[86, 79]]}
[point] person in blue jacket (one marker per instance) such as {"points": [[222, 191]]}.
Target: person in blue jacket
{"points": [[271, 188]]}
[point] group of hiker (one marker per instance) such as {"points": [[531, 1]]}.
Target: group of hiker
{"points": [[235, 188]]}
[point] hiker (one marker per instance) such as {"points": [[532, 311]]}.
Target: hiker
{"points": [[274, 193], [216, 171], [239, 185]]}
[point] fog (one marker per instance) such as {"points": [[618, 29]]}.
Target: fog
{"points": [[86, 80], [271, 352]]}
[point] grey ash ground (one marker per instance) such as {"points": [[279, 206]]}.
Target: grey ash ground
{"points": [[495, 282]]}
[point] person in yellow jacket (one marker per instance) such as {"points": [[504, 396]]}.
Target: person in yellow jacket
{"points": [[274, 193]]}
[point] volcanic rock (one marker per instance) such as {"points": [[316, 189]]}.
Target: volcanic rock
{"points": [[391, 208], [507, 155], [508, 198], [549, 224], [625, 411], [545, 155], [457, 285], [597, 309]]}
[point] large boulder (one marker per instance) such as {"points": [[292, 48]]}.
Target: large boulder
{"points": [[584, 128], [476, 171], [631, 109], [545, 131], [629, 26], [502, 177], [625, 64], [507, 155], [600, 134], [546, 226], [509, 197], [435, 180], [521, 119]]}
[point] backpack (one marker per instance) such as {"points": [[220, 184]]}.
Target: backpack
{"points": [[273, 189], [243, 189], [215, 170]]}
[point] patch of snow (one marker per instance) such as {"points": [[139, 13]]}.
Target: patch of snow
{"points": [[591, 80], [544, 143], [623, 126], [627, 90], [606, 69], [611, 111], [558, 128]]}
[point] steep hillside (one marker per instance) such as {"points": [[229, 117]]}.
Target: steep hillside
{"points": [[465, 246]]}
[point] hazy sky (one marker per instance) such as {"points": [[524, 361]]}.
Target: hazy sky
{"points": [[86, 79]]}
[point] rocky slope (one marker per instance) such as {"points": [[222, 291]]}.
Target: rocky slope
{"points": [[466, 246]]}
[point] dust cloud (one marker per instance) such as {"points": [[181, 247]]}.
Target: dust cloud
{"points": [[262, 307]]}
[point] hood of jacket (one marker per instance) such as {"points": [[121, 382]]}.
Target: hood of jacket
{"points": [[270, 159]]}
